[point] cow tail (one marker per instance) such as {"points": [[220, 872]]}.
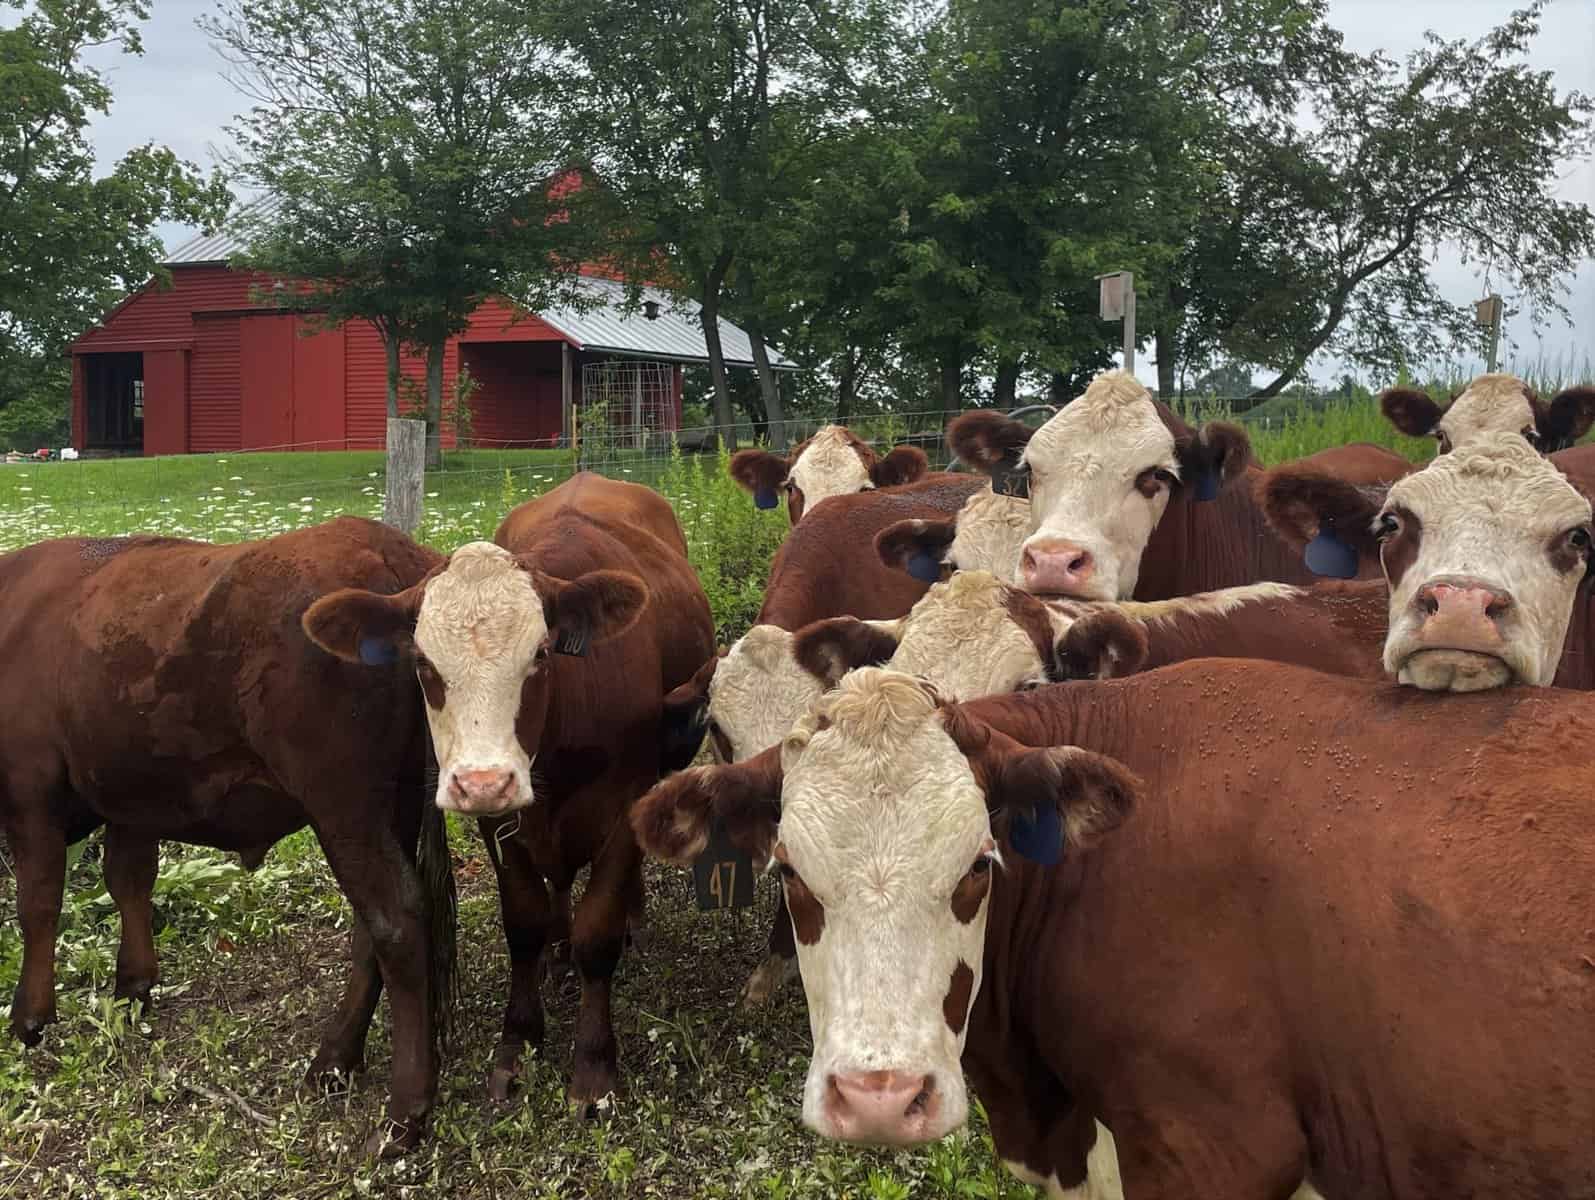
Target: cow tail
{"points": [[436, 870]]}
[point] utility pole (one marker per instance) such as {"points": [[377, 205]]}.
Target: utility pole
{"points": [[1118, 303], [1487, 315]]}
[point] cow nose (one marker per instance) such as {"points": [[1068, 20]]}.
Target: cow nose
{"points": [[481, 791], [1461, 613], [892, 1108], [1057, 567]]}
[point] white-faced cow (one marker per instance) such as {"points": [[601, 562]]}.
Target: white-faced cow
{"points": [[170, 694], [1497, 403], [1251, 949], [1484, 551], [834, 462], [544, 658]]}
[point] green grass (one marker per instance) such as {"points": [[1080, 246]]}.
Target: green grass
{"points": [[197, 1098]]}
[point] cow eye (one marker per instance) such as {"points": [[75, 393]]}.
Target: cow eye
{"points": [[787, 872], [1579, 539], [1387, 526], [542, 653], [981, 865], [1445, 442], [1153, 480]]}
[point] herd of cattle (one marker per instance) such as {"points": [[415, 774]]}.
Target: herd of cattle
{"points": [[1294, 885]]}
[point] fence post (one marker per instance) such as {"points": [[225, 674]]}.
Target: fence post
{"points": [[401, 503]]}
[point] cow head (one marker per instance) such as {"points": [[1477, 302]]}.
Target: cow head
{"points": [[756, 694], [1493, 404], [887, 812], [834, 462], [1099, 475], [987, 534], [480, 632], [1484, 551], [975, 636]]}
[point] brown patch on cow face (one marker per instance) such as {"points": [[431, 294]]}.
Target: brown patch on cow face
{"points": [[1400, 538], [432, 685], [1031, 616], [972, 890], [960, 990], [1572, 551], [808, 914]]}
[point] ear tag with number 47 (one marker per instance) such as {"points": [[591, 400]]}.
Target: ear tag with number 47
{"points": [[722, 876]]}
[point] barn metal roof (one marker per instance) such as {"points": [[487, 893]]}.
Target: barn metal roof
{"points": [[676, 333]]}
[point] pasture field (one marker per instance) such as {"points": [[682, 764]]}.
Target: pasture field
{"points": [[197, 1098]]}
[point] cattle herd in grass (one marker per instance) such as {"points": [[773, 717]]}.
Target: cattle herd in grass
{"points": [[1214, 878]]}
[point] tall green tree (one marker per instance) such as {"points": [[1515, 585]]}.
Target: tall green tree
{"points": [[1318, 237], [72, 241], [412, 145]]}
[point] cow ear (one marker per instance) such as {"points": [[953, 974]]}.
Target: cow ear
{"points": [[365, 627], [673, 819], [1058, 797], [903, 465], [685, 720], [1567, 418], [916, 547], [589, 609], [1413, 412], [830, 649], [762, 473], [987, 441], [1100, 645], [1328, 519], [1213, 459]]}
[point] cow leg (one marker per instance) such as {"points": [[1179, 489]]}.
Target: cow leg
{"points": [[342, 1051], [528, 917], [38, 848], [383, 889], [597, 938], [779, 965], [559, 930], [130, 865]]}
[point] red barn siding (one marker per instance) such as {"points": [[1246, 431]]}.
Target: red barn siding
{"points": [[166, 401], [517, 398], [318, 389], [214, 389], [497, 321], [266, 381], [365, 388]]}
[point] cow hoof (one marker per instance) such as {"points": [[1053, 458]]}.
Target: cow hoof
{"points": [[135, 991], [393, 1139], [326, 1079], [28, 1030]]}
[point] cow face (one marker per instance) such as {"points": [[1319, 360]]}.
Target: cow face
{"points": [[480, 633], [1484, 551], [1099, 475], [885, 811], [1493, 404], [834, 462], [987, 534], [757, 694]]}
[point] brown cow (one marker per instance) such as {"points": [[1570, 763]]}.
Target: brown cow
{"points": [[179, 699], [834, 462], [551, 647], [1261, 978]]}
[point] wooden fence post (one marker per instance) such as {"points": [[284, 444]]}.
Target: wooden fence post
{"points": [[401, 503]]}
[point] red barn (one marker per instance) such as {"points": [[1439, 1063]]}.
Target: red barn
{"points": [[202, 366]]}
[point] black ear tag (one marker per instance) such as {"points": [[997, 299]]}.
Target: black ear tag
{"points": [[1330, 557], [923, 566], [765, 498], [1011, 481], [572, 642], [378, 652], [722, 876], [1039, 837], [1206, 485]]}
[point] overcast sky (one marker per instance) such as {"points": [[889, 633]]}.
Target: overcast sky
{"points": [[175, 94]]}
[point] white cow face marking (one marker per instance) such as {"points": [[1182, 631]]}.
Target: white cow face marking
{"points": [[481, 634], [757, 694], [991, 536], [1484, 551], [1490, 404], [830, 465], [961, 638], [883, 835], [1101, 472]]}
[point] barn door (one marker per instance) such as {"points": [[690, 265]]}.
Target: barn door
{"points": [[266, 382]]}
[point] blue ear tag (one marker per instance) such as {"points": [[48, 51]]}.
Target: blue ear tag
{"points": [[378, 652], [923, 566], [1207, 485], [1327, 555], [1038, 838], [765, 498]]}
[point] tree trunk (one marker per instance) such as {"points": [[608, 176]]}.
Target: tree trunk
{"points": [[390, 345], [952, 372], [434, 404], [709, 314], [1006, 385], [846, 386], [1163, 343], [1058, 389], [769, 387]]}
